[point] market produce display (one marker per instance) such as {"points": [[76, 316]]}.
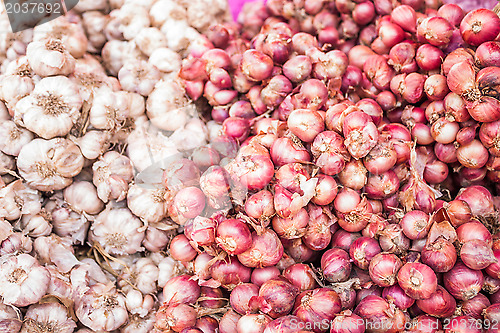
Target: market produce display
{"points": [[316, 166]]}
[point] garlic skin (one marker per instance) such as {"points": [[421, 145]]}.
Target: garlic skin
{"points": [[115, 52], [4, 112], [67, 31], [150, 39], [50, 57], [94, 23], [109, 109], [118, 231], [65, 221], [150, 204], [137, 324], [166, 60], [49, 165], [22, 280], [202, 13], [156, 240], [168, 268], [59, 285], [131, 18], [192, 135], [13, 138], [48, 317], [51, 109], [101, 307], [167, 106], [17, 199], [112, 174], [143, 275], [82, 197], [56, 250], [7, 164], [93, 144], [18, 81], [36, 225], [10, 319], [163, 10], [179, 35], [138, 76], [138, 304], [16, 243]]}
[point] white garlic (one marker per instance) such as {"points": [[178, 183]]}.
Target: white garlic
{"points": [[59, 285], [93, 144], [115, 52], [137, 324], [214, 130], [57, 251], [50, 57], [5, 230], [82, 196], [13, 138], [202, 13], [84, 6], [94, 23], [118, 231], [10, 319], [22, 280], [36, 225], [16, 243], [4, 112], [67, 31], [138, 76], [156, 239], [87, 274], [163, 10], [65, 221], [147, 146], [7, 164], [179, 35], [150, 39], [132, 19], [138, 304], [17, 199], [192, 135], [17, 81], [49, 165], [101, 307], [167, 106], [168, 268], [166, 61], [143, 275], [48, 317], [51, 109], [150, 204], [112, 173]]}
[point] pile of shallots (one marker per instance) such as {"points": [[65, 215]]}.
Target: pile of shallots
{"points": [[317, 166]]}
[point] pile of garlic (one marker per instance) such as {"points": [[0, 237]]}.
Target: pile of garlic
{"points": [[91, 114]]}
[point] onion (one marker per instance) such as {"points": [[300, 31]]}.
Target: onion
{"points": [[240, 297], [392, 239], [493, 270], [228, 322], [181, 250], [424, 324], [417, 280], [416, 224], [261, 275], [276, 297], [335, 265], [344, 239], [317, 306], [260, 205], [363, 250], [474, 307], [214, 298], [181, 289], [175, 317], [285, 324], [301, 276], [266, 250], [347, 322], [458, 212], [463, 324], [440, 255], [397, 295], [253, 323], [440, 304], [234, 236], [479, 26], [383, 269], [379, 315], [477, 254], [462, 282], [230, 272], [474, 230]]}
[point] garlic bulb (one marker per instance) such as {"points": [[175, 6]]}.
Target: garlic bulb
{"points": [[7, 164], [5, 230], [59, 285], [49, 165], [167, 269], [65, 221], [22, 280], [150, 204], [94, 23], [48, 317], [18, 81], [82, 197], [138, 76], [84, 6], [191, 136], [167, 106], [138, 304], [36, 225], [166, 61], [13, 138], [112, 173], [163, 10], [101, 307], [10, 319], [179, 35], [51, 109], [56, 250], [109, 109], [115, 52], [118, 231], [138, 324], [143, 275], [131, 18], [147, 146], [156, 240], [16, 243], [69, 33], [4, 112], [93, 144], [150, 39], [202, 13], [17, 199], [50, 57]]}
